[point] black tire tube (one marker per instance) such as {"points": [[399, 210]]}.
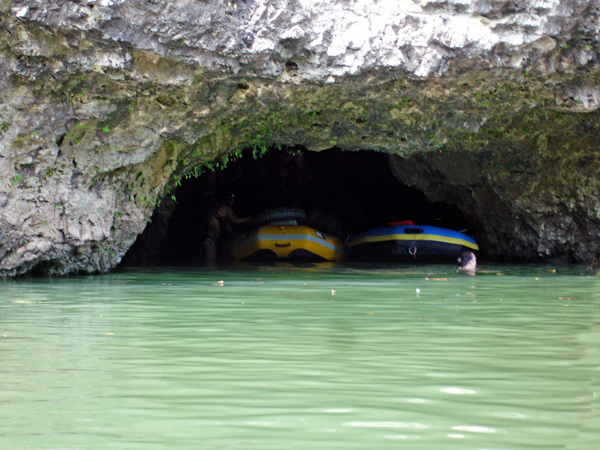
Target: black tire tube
{"points": [[278, 214]]}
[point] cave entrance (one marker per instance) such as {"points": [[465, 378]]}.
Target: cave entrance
{"points": [[356, 187]]}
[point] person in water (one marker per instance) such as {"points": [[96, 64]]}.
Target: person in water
{"points": [[219, 225], [467, 262]]}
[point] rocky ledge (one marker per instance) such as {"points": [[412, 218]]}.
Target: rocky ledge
{"points": [[489, 105]]}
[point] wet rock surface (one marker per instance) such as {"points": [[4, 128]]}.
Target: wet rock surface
{"points": [[491, 106]]}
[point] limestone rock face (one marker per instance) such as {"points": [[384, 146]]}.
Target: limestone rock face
{"points": [[491, 105]]}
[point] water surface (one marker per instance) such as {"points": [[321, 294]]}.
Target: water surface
{"points": [[348, 357]]}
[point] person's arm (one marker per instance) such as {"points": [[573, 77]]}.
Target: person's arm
{"points": [[235, 219]]}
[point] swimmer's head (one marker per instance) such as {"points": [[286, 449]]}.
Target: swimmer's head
{"points": [[467, 261]]}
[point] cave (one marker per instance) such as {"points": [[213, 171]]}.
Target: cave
{"points": [[357, 188], [103, 125]]}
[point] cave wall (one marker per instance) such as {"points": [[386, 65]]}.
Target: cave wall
{"points": [[534, 198], [491, 105]]}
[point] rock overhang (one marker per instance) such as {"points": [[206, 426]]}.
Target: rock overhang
{"points": [[329, 38], [108, 107]]}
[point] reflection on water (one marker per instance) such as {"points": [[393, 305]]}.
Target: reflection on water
{"points": [[281, 357]]}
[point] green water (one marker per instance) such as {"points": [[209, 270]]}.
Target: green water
{"points": [[386, 357]]}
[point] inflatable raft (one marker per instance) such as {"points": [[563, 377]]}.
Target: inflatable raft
{"points": [[285, 237], [409, 241]]}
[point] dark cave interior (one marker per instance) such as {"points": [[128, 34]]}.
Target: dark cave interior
{"points": [[357, 188]]}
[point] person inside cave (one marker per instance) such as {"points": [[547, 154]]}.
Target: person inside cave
{"points": [[219, 226]]}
